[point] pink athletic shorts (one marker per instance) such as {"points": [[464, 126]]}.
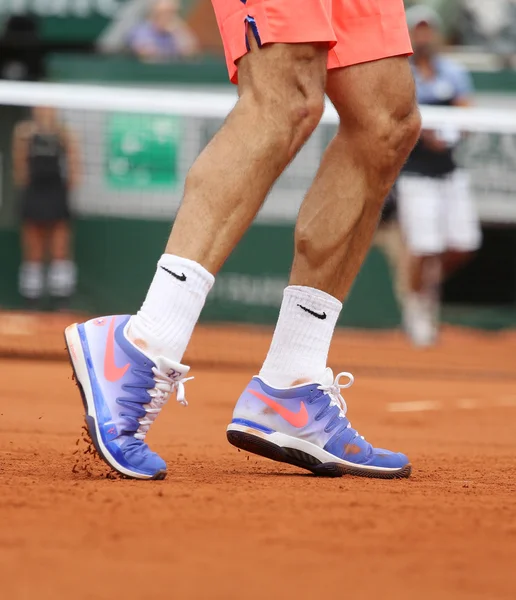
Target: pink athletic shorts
{"points": [[357, 31]]}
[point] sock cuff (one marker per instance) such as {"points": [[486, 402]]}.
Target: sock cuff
{"points": [[309, 294], [201, 279], [301, 341], [176, 296], [32, 266]]}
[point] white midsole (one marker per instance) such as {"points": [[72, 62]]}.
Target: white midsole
{"points": [[73, 340], [286, 441]]}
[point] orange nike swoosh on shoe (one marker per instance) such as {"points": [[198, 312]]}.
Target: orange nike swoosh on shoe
{"points": [[296, 419], [111, 371]]}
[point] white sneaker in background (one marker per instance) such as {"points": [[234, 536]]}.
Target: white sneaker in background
{"points": [[421, 318]]}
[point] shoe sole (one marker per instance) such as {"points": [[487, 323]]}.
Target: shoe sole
{"points": [[300, 453], [80, 371]]}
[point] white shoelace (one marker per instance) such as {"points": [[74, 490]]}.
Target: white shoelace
{"points": [[333, 391], [160, 394]]}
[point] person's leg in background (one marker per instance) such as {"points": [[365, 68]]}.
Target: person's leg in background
{"points": [[281, 100], [421, 306], [31, 279], [422, 207], [442, 230], [422, 300], [389, 240], [293, 412], [62, 272], [453, 260]]}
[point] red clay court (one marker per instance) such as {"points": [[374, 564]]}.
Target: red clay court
{"points": [[224, 525]]}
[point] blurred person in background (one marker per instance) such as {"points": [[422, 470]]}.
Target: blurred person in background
{"points": [[164, 35], [438, 217], [449, 12], [491, 25], [21, 49], [46, 169]]}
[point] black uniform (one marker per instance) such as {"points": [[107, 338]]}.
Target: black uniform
{"points": [[449, 83], [45, 199]]}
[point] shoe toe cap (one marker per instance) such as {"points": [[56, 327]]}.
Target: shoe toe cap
{"points": [[153, 464], [138, 456], [387, 459]]}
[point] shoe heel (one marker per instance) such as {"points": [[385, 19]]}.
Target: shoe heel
{"points": [[253, 440], [78, 363], [254, 443], [73, 344]]}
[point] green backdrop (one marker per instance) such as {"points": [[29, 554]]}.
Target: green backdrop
{"points": [[116, 260]]}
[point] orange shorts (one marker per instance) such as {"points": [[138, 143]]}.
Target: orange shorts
{"points": [[357, 31]]}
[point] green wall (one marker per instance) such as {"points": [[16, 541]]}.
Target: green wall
{"points": [[204, 70], [117, 257], [84, 68]]}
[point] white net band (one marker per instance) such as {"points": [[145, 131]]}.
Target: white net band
{"points": [[138, 144], [192, 103]]}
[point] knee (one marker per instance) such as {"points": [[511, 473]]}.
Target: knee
{"points": [[304, 114], [405, 126], [287, 117], [307, 113], [394, 132], [384, 138]]}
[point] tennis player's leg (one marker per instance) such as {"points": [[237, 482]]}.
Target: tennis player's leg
{"points": [[371, 86], [281, 100], [379, 124], [293, 411]]}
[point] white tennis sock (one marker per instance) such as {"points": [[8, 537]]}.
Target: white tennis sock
{"points": [[31, 280], [62, 278], [164, 324], [302, 338]]}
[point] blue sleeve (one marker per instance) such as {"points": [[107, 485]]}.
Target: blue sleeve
{"points": [[137, 37], [463, 83]]}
